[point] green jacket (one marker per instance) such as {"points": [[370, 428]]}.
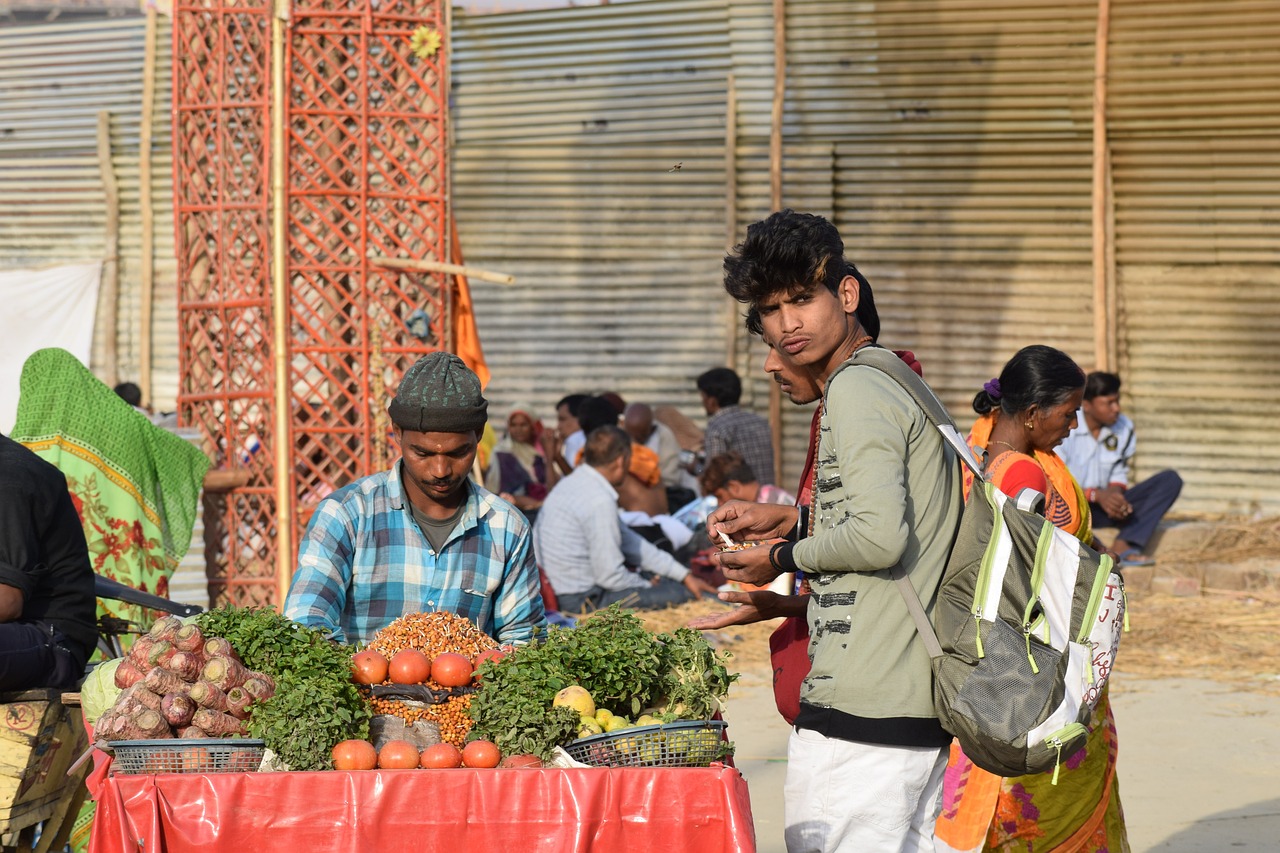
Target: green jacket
{"points": [[887, 493]]}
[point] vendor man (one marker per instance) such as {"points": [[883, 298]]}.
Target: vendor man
{"points": [[47, 606], [422, 536]]}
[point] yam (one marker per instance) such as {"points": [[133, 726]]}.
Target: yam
{"points": [[189, 638], [161, 681], [238, 700], [141, 647], [141, 695], [207, 695], [188, 732], [128, 674], [185, 665], [224, 672], [219, 647], [218, 724], [165, 628], [177, 709], [157, 651], [151, 724], [261, 687]]}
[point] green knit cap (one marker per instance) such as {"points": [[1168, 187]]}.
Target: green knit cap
{"points": [[439, 394]]}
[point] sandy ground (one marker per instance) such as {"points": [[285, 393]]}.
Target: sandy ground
{"points": [[1199, 763]]}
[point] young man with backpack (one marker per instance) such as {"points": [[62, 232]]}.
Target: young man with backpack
{"points": [[866, 758]]}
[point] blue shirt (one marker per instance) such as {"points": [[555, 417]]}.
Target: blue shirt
{"points": [[1098, 462], [364, 562]]}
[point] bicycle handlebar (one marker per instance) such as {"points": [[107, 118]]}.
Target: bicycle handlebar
{"points": [[107, 588]]}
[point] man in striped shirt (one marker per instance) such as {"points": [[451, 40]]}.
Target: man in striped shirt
{"points": [[422, 536]]}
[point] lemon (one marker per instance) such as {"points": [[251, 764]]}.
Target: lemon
{"points": [[578, 699], [603, 716]]}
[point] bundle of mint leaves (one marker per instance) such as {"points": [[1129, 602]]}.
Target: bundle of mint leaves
{"points": [[622, 664]]}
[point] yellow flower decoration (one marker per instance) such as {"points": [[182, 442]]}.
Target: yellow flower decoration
{"points": [[425, 42]]}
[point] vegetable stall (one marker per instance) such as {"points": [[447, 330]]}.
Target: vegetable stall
{"points": [[240, 728]]}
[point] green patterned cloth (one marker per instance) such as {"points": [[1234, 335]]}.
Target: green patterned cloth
{"points": [[136, 486]]}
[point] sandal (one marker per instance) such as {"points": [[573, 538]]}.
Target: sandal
{"points": [[1134, 557]]}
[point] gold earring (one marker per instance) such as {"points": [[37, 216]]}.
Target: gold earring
{"points": [[1030, 425]]}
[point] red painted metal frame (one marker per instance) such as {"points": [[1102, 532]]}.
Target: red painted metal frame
{"points": [[367, 176]]}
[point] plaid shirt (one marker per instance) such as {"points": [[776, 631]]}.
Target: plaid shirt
{"points": [[364, 562], [746, 433]]}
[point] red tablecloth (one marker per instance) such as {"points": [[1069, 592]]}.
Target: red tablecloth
{"points": [[460, 811]]}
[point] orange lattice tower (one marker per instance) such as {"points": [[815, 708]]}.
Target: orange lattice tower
{"points": [[295, 329]]}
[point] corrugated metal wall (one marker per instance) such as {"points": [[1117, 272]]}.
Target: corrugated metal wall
{"points": [[570, 125], [1195, 139], [54, 80]]}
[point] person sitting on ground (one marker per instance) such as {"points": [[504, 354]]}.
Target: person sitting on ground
{"points": [[585, 549], [518, 470], [646, 430], [1099, 452], [421, 536], [47, 600], [729, 478], [641, 491], [730, 427], [567, 438]]}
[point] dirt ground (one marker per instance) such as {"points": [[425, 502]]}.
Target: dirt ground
{"points": [[1196, 694]]}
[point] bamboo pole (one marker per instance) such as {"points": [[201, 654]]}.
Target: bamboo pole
{"points": [[280, 309], [775, 194], [1103, 310], [731, 210], [420, 265], [111, 261], [147, 270]]}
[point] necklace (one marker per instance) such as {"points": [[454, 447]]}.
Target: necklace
{"points": [[859, 344], [1010, 446]]}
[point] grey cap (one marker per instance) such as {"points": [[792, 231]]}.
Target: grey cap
{"points": [[439, 394]]}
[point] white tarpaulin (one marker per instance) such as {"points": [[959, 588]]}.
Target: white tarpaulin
{"points": [[50, 307]]}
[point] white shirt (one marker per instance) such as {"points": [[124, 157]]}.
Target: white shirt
{"points": [[572, 445], [1098, 462], [580, 542]]}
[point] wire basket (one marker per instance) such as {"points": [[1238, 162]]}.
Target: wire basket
{"points": [[685, 743], [189, 755]]}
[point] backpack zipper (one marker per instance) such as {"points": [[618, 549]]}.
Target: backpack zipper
{"points": [[1037, 582], [988, 557], [1057, 740]]}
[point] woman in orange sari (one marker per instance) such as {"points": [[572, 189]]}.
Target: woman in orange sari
{"points": [[1025, 414]]}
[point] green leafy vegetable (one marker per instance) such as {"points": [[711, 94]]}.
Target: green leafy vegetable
{"points": [[624, 666], [315, 705]]}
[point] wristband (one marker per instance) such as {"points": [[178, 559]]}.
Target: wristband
{"points": [[781, 559], [1091, 495]]}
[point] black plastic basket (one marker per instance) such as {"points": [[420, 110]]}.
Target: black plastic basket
{"points": [[686, 743], [188, 755]]}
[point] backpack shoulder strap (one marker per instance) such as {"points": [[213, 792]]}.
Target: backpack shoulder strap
{"points": [[888, 363]]}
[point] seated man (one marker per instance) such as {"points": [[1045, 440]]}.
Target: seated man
{"points": [[641, 490], [585, 549], [729, 478], [1098, 452], [47, 601], [647, 431], [421, 536], [731, 427]]}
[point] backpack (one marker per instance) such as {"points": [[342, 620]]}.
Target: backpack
{"points": [[1027, 619]]}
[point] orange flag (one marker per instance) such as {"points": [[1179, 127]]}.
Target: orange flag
{"points": [[466, 337]]}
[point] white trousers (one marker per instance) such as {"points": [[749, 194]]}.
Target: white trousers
{"points": [[847, 797]]}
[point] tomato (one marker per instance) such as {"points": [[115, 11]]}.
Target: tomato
{"points": [[368, 667], [494, 655], [521, 761], [451, 670], [480, 753], [354, 755], [441, 755], [398, 755], [409, 666]]}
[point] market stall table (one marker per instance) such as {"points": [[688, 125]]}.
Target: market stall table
{"points": [[508, 810]]}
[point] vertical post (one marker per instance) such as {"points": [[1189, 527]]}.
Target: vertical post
{"points": [[775, 194], [147, 261], [1103, 295], [111, 259], [280, 308], [731, 210]]}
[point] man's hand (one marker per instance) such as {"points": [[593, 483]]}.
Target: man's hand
{"points": [[698, 586], [743, 520], [750, 565], [1113, 502], [756, 606]]}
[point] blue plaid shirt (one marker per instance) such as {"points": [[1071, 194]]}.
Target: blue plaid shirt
{"points": [[364, 562]]}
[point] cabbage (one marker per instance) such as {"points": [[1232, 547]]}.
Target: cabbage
{"points": [[99, 691]]}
